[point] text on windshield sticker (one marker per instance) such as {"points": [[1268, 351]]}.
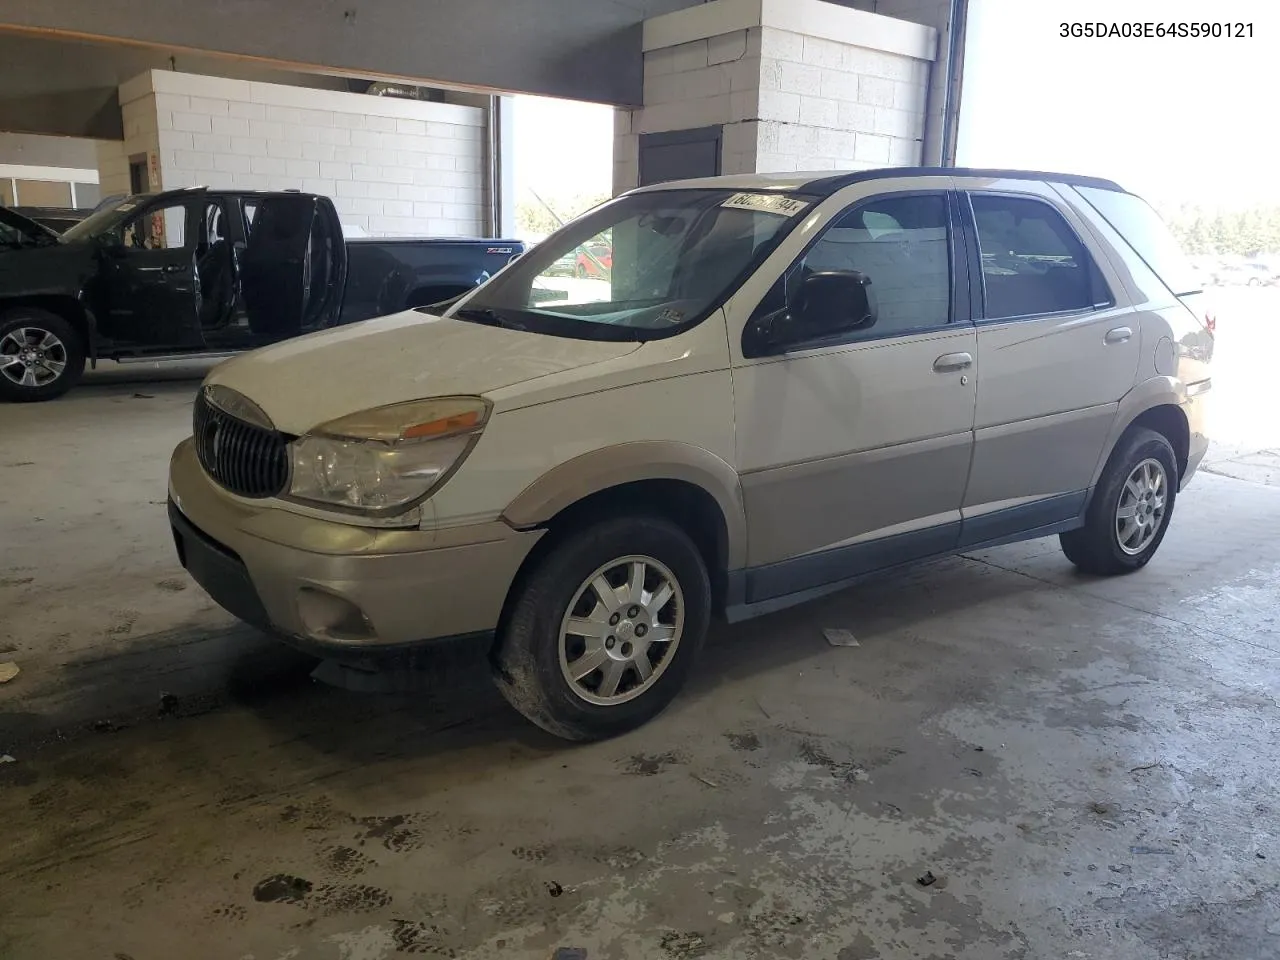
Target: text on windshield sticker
{"points": [[766, 203]]}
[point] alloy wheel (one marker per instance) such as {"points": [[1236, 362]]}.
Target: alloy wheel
{"points": [[1141, 507], [32, 357], [621, 630]]}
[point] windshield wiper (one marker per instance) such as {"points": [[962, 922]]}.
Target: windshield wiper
{"points": [[489, 317]]}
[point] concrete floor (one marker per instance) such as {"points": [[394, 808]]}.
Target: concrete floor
{"points": [[1086, 767]]}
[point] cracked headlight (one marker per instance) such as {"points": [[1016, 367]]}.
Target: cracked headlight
{"points": [[386, 460]]}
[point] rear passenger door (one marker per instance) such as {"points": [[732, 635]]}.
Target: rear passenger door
{"points": [[1055, 355]]}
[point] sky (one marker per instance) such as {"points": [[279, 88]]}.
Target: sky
{"points": [[563, 147], [1177, 120]]}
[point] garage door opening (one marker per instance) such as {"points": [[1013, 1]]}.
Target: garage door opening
{"points": [[563, 162]]}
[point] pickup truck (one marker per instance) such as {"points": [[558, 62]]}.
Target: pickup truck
{"points": [[195, 273]]}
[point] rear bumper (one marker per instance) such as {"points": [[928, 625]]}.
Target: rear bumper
{"points": [[1195, 409], [330, 587]]}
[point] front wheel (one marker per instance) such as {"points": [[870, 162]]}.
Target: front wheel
{"points": [[605, 629], [1131, 507], [41, 355]]}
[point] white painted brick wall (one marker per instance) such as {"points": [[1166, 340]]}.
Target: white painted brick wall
{"points": [[785, 102], [727, 47], [392, 166], [113, 167], [779, 105], [857, 107]]}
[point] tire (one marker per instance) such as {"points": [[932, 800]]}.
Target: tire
{"points": [[59, 345], [1105, 545], [533, 658], [580, 272]]}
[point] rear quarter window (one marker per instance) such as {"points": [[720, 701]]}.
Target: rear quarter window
{"points": [[1144, 231]]}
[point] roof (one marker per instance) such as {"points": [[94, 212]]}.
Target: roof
{"points": [[181, 192], [824, 183]]}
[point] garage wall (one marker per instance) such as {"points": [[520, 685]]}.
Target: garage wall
{"points": [[47, 171], [113, 168], [40, 151], [141, 139], [393, 167]]}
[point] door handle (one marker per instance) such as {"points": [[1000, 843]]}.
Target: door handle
{"points": [[1117, 335], [952, 361], [174, 268]]}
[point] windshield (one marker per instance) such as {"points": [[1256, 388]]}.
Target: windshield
{"points": [[103, 220], [643, 266], [18, 231]]}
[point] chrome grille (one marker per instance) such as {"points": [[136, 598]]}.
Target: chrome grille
{"points": [[248, 460]]}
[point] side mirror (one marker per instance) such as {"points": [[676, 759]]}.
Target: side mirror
{"points": [[834, 302], [111, 243], [826, 304]]}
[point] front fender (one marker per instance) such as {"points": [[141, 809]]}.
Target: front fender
{"points": [[609, 467]]}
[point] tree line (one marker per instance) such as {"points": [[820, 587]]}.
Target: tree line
{"points": [[543, 214], [1244, 232]]}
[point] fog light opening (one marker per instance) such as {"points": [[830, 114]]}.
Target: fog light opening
{"points": [[330, 617]]}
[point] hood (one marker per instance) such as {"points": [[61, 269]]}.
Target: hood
{"points": [[311, 380], [26, 225]]}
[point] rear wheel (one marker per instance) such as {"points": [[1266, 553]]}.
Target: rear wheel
{"points": [[41, 355], [604, 631], [1131, 507]]}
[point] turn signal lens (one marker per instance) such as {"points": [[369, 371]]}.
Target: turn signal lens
{"points": [[442, 427], [431, 419]]}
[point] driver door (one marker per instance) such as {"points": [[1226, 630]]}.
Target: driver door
{"points": [[149, 295], [854, 449]]}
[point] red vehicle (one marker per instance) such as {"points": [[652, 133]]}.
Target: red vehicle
{"points": [[595, 260]]}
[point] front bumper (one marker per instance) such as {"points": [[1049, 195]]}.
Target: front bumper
{"points": [[328, 586]]}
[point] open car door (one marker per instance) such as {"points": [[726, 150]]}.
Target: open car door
{"points": [[293, 266], [328, 255]]}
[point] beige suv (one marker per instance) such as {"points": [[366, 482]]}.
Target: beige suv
{"points": [[781, 384]]}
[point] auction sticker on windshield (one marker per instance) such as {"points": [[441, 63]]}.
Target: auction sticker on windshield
{"points": [[766, 203]]}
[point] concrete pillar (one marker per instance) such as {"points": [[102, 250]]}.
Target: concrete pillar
{"points": [[793, 85], [140, 115]]}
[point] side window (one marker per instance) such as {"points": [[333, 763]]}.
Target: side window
{"points": [[1032, 261], [161, 229], [899, 244], [1143, 230]]}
